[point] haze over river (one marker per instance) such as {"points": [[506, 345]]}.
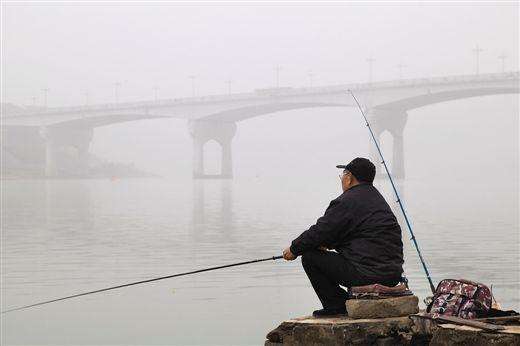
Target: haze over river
{"points": [[61, 237]]}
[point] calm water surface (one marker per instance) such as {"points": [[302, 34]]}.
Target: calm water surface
{"points": [[62, 237]]}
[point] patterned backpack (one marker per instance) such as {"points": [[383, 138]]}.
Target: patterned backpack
{"points": [[460, 298]]}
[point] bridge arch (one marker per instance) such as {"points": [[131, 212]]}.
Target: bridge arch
{"points": [[393, 117], [244, 113], [430, 98], [390, 116], [105, 120]]}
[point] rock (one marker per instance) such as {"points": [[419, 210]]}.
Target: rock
{"points": [[422, 329], [340, 331], [423, 325], [415, 330], [450, 334], [382, 308]]}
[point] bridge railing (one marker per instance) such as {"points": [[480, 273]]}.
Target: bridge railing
{"points": [[273, 92]]}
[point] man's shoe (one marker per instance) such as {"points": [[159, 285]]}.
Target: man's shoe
{"points": [[329, 312]]}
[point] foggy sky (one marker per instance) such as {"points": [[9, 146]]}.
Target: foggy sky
{"points": [[73, 49], [461, 156]]}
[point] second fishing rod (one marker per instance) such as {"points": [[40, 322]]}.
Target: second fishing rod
{"points": [[409, 226]]}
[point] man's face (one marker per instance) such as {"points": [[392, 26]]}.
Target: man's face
{"points": [[346, 180]]}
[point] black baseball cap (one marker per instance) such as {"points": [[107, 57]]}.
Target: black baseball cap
{"points": [[362, 169]]}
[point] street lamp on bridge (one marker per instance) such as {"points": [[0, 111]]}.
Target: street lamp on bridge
{"points": [[400, 67], [45, 92], [277, 69], [228, 83], [117, 85], [192, 77], [477, 50], [155, 90], [311, 78], [503, 57], [86, 94]]}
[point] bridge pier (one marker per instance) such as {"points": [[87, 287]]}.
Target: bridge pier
{"points": [[398, 155], [50, 158], [393, 121], [58, 138], [203, 131]]}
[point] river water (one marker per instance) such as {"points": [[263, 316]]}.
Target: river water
{"points": [[62, 237]]}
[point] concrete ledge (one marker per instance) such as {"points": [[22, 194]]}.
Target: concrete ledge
{"points": [[382, 308], [341, 331], [450, 334], [395, 331]]}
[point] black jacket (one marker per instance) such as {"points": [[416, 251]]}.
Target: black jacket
{"points": [[359, 225]]}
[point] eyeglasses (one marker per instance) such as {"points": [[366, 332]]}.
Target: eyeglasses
{"points": [[342, 174]]}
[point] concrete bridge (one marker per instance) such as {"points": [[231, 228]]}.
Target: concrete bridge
{"points": [[215, 117]]}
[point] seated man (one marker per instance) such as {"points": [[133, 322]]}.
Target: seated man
{"points": [[363, 230]]}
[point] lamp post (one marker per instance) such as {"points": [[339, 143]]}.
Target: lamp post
{"points": [[155, 90], [228, 83], [45, 92], [503, 57], [477, 50], [192, 77], [311, 78], [401, 66], [86, 94], [117, 85], [277, 69]]}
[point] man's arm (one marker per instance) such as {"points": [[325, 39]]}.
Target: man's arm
{"points": [[325, 232]]}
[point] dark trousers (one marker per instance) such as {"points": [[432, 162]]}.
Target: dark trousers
{"points": [[327, 270]]}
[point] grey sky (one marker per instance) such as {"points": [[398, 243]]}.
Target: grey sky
{"points": [[73, 48]]}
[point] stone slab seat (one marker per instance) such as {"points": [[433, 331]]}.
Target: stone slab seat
{"points": [[398, 290], [382, 308], [379, 301]]}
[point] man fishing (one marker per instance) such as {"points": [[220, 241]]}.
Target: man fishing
{"points": [[362, 229], [359, 225]]}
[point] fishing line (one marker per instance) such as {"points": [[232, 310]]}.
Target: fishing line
{"points": [[432, 287], [142, 282]]}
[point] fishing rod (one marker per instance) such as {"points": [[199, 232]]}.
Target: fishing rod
{"points": [[432, 287], [142, 282]]}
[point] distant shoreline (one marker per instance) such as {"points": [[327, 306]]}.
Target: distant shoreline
{"points": [[7, 177]]}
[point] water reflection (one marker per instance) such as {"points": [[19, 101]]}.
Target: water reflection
{"points": [[213, 207], [61, 237], [67, 202], [382, 183]]}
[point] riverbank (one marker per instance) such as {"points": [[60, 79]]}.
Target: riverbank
{"points": [[399, 324], [386, 331]]}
